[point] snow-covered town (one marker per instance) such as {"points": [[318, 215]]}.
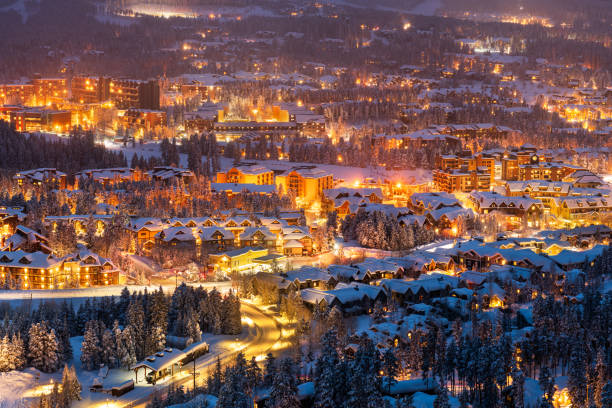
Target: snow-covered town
{"points": [[305, 204]]}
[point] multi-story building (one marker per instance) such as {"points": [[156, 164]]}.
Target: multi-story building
{"points": [[48, 91], [462, 180], [307, 182], [546, 171], [527, 155], [16, 94], [90, 269], [41, 176], [477, 130], [471, 162], [247, 173], [581, 210], [132, 93], [519, 211], [124, 93], [90, 89], [142, 119], [112, 176], [36, 120], [39, 270]]}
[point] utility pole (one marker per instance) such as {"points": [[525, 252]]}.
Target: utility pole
{"points": [[194, 372]]}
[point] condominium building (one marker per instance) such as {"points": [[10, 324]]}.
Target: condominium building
{"points": [[307, 182], [462, 180], [247, 173]]}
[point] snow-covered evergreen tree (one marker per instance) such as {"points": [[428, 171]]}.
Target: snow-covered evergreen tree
{"points": [[284, 389], [136, 321], [43, 348], [193, 328], [71, 387], [328, 389], [6, 359], [90, 348], [109, 349], [126, 350], [576, 376], [606, 395], [441, 400]]}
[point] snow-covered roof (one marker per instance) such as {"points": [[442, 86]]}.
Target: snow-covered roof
{"points": [[34, 260]]}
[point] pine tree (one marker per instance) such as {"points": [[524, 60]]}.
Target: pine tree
{"points": [[64, 340], [193, 328], [405, 402], [441, 400], [71, 388], [6, 360], [518, 383], [254, 375], [109, 349], [546, 383], [390, 367], [43, 348], [606, 396], [136, 321], [18, 353], [126, 350], [269, 371], [232, 323], [284, 389], [158, 322], [326, 375], [90, 348], [576, 380]]}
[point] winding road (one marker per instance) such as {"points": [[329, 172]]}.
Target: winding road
{"points": [[261, 334]]}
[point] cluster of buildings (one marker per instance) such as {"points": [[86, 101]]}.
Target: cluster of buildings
{"points": [[307, 182], [27, 262], [58, 104], [106, 177], [283, 120], [480, 171], [449, 277], [214, 235]]}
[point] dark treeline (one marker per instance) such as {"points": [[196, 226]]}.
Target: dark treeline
{"points": [[78, 152]]}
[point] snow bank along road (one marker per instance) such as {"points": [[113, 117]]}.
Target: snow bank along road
{"points": [[77, 295]]}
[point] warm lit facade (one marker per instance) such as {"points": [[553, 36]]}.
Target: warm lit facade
{"points": [[38, 270], [307, 182], [124, 93], [131, 93], [142, 119], [16, 94], [461, 180], [479, 162], [41, 176], [247, 174], [89, 89], [49, 91], [581, 210], [36, 120], [527, 156], [237, 260]]}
